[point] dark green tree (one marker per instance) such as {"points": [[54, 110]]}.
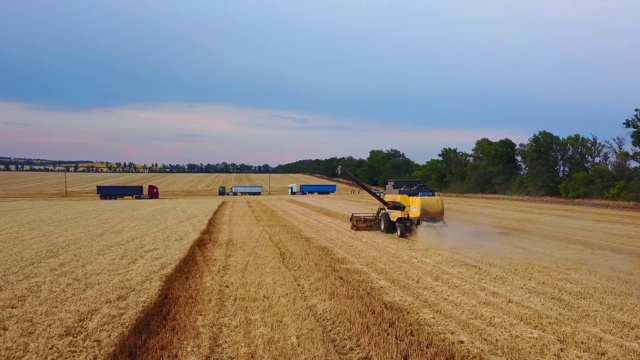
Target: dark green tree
{"points": [[382, 165], [542, 158], [634, 124], [455, 164], [620, 156], [597, 153], [494, 166], [596, 184], [433, 173], [576, 155], [627, 186]]}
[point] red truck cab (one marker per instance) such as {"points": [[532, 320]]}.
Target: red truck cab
{"points": [[153, 192]]}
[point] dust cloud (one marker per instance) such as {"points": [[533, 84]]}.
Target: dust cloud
{"points": [[461, 236]]}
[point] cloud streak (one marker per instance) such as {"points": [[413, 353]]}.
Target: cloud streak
{"points": [[16, 123], [298, 120], [181, 133]]}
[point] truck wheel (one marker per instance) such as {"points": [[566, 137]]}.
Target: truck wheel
{"points": [[386, 225], [401, 230]]}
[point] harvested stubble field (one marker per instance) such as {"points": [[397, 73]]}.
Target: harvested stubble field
{"points": [[284, 277]]}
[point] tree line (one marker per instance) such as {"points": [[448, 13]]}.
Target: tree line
{"points": [[573, 167], [10, 164]]}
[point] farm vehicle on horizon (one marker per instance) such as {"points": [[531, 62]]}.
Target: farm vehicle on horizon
{"points": [[240, 190], [114, 192], [304, 189]]}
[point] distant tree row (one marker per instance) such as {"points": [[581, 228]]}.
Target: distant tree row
{"points": [[546, 165], [9, 164], [380, 166], [222, 168]]}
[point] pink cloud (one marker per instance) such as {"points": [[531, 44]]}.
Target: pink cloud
{"points": [[218, 118], [284, 158], [211, 133], [165, 150], [130, 152], [45, 137]]}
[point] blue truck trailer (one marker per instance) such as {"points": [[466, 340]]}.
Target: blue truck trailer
{"points": [[304, 189], [113, 192]]}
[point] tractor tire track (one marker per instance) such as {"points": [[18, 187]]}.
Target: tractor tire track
{"points": [[264, 313], [219, 286], [229, 297], [342, 345], [167, 327]]}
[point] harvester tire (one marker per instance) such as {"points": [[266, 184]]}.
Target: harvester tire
{"points": [[386, 225], [401, 230]]}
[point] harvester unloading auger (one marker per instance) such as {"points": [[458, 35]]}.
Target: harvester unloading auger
{"points": [[406, 205]]}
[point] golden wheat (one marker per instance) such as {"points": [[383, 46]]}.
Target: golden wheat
{"points": [[284, 277], [75, 274], [17, 184]]}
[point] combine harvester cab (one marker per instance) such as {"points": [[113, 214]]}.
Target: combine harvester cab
{"points": [[406, 205]]}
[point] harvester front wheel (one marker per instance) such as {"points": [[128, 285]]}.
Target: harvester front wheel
{"points": [[386, 225], [401, 230]]}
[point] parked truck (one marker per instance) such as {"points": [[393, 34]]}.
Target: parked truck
{"points": [[304, 189], [245, 190], [113, 192]]}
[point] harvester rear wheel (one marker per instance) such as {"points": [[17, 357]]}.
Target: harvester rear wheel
{"points": [[386, 225], [401, 230]]}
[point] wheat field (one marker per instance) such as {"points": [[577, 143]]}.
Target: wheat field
{"points": [[21, 184], [197, 276]]}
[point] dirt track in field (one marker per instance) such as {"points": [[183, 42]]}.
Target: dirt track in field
{"points": [[276, 291], [285, 278]]}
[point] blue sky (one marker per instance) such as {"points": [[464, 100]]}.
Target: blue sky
{"points": [[307, 80]]}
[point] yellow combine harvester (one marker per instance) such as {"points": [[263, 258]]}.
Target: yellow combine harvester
{"points": [[405, 205]]}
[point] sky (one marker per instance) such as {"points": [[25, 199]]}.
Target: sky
{"points": [[278, 81]]}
